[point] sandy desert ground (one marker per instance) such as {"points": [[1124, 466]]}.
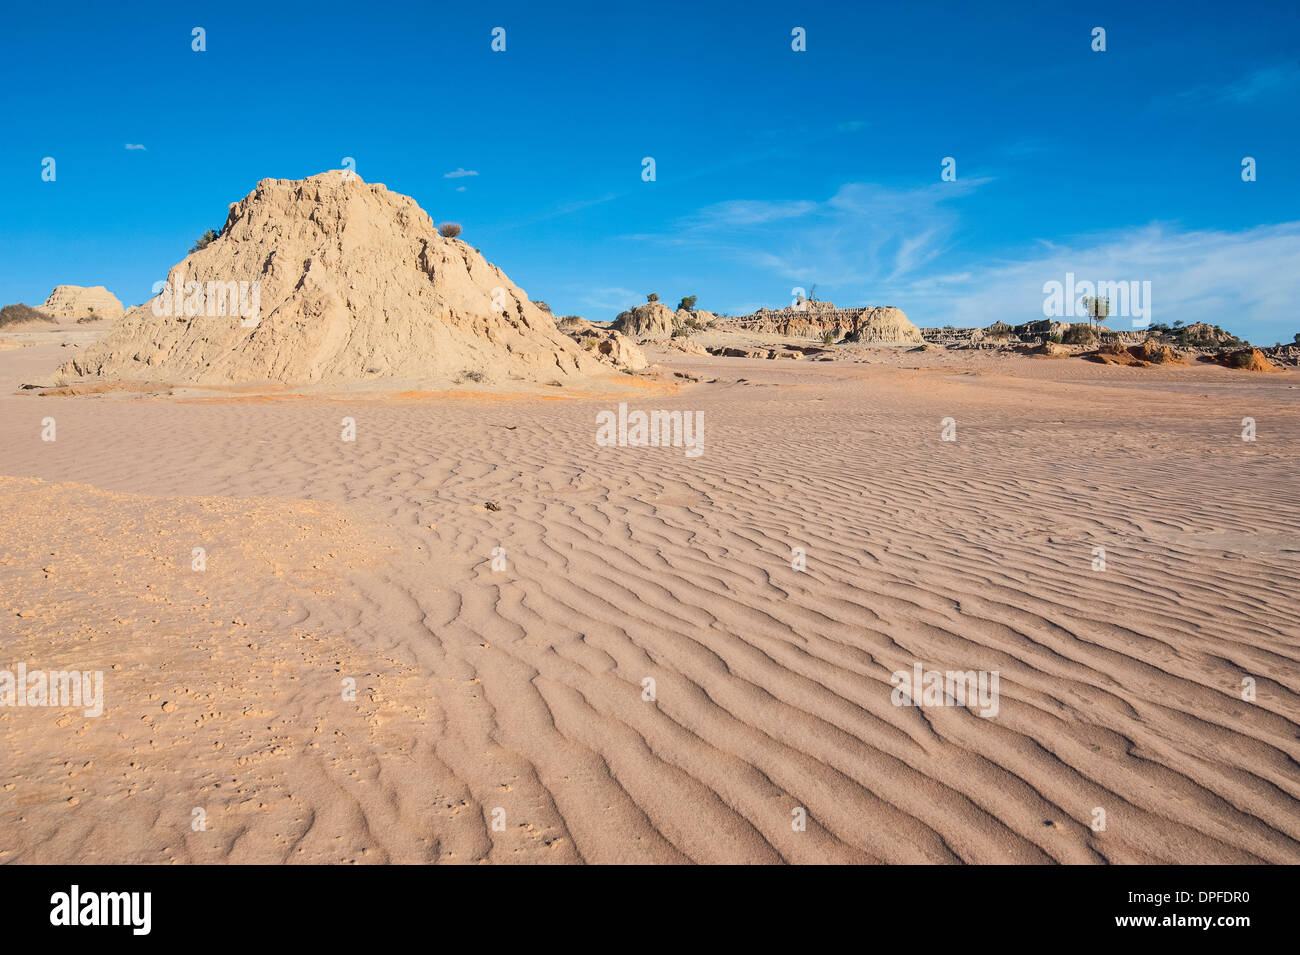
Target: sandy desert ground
{"points": [[520, 690]]}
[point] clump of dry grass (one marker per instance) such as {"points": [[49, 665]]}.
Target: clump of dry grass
{"points": [[19, 313]]}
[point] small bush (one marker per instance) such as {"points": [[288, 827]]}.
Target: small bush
{"points": [[205, 240], [687, 304], [449, 230], [473, 375], [652, 297]]}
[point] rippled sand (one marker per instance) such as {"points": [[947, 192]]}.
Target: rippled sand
{"points": [[521, 689]]}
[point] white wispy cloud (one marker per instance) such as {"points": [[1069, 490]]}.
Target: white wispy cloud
{"points": [[135, 146], [863, 235], [1268, 80], [746, 212], [611, 300], [459, 173]]}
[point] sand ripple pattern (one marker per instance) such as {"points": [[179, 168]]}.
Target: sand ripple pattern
{"points": [[1120, 689]]}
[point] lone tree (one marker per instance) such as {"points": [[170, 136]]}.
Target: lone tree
{"points": [[449, 230], [687, 304], [1097, 309], [205, 240], [652, 297]]}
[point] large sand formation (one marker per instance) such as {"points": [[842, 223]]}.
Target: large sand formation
{"points": [[331, 279]]}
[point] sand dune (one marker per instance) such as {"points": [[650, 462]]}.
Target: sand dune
{"points": [[521, 689]]}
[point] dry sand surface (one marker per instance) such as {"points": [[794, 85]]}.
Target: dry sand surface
{"points": [[521, 690]]}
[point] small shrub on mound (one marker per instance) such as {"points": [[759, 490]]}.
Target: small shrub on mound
{"points": [[828, 338], [449, 230], [205, 240]]}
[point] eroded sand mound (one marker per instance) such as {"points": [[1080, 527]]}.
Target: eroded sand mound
{"points": [[1147, 353], [651, 320], [886, 324], [331, 279], [1245, 359], [74, 301], [1156, 354], [874, 324]]}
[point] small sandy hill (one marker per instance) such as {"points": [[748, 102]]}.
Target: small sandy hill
{"points": [[75, 301], [651, 320], [1244, 359], [1203, 334], [886, 324], [1147, 353], [1157, 354], [330, 279]]}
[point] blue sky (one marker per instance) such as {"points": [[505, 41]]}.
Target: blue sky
{"points": [[774, 168]]}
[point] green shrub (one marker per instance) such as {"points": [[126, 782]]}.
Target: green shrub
{"points": [[205, 240]]}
